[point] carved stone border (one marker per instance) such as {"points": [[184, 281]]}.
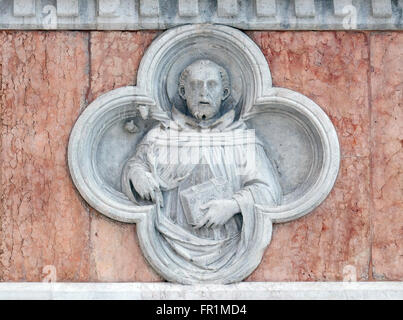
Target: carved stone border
{"points": [[108, 109], [167, 291], [244, 14], [259, 97], [282, 99]]}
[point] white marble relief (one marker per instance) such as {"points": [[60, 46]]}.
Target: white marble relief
{"points": [[203, 154]]}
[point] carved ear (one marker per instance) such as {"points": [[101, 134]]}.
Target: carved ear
{"points": [[181, 90], [226, 93]]}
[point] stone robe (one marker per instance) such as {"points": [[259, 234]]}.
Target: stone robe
{"points": [[181, 154]]}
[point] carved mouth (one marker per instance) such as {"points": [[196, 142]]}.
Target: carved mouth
{"points": [[204, 103]]}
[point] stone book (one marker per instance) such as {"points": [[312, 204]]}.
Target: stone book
{"points": [[192, 198]]}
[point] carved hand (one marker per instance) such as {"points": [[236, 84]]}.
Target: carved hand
{"points": [[218, 212], [146, 186]]}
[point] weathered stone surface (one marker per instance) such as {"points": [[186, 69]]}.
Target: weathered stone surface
{"points": [[115, 58], [43, 220], [242, 14], [335, 236], [330, 68], [387, 155], [115, 253], [181, 243], [388, 290]]}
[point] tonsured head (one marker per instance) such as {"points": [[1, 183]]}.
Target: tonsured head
{"points": [[204, 85]]}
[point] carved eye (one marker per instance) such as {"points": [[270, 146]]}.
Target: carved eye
{"points": [[211, 84], [193, 85]]}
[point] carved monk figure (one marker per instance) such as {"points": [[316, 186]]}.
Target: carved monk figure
{"points": [[205, 171]]}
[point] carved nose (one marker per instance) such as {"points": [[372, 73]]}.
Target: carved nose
{"points": [[203, 91]]}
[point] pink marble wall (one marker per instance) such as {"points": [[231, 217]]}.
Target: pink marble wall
{"points": [[43, 220], [387, 155], [116, 255], [47, 78], [331, 68]]}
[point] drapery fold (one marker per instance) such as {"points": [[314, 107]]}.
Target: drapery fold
{"points": [[243, 163]]}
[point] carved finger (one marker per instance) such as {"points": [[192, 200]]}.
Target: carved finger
{"points": [[154, 184], [202, 222], [159, 197], [156, 188], [205, 206], [147, 196], [152, 196], [148, 190], [140, 192], [210, 224]]}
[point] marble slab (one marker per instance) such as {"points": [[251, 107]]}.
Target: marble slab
{"points": [[240, 291], [244, 14]]}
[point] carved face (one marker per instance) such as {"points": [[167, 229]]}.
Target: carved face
{"points": [[201, 85]]}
